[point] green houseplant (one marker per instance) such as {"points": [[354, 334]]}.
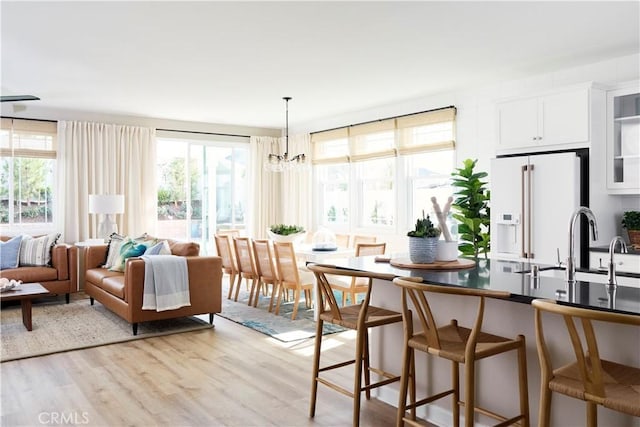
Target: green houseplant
{"points": [[631, 221], [423, 241], [286, 233], [473, 212]]}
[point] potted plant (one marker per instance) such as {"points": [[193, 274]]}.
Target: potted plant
{"points": [[631, 221], [423, 241], [472, 205], [286, 233]]}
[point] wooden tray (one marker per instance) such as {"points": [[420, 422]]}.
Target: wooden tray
{"points": [[460, 263]]}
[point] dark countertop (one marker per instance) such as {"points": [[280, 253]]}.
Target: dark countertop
{"points": [[504, 276]]}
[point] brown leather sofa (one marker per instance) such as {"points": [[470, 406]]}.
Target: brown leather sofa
{"points": [[121, 292], [59, 278]]}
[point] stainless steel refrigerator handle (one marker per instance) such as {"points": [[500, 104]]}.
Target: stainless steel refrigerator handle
{"points": [[530, 194], [523, 254]]}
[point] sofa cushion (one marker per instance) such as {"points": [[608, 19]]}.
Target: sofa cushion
{"points": [[36, 251], [10, 253], [96, 275], [114, 285], [31, 274]]}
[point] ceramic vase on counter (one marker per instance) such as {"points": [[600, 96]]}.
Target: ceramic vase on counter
{"points": [[447, 251], [422, 250]]}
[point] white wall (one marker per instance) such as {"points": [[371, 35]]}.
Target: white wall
{"points": [[476, 124]]}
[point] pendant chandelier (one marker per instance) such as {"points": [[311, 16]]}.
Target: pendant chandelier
{"points": [[283, 162]]}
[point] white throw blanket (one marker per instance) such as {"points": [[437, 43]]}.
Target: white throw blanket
{"points": [[166, 282]]}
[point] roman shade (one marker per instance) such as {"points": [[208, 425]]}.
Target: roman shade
{"points": [[28, 138], [408, 134]]}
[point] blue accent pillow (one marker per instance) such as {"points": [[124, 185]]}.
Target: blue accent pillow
{"points": [[10, 253], [161, 248], [129, 249]]}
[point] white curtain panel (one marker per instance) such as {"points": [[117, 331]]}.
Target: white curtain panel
{"points": [[279, 197], [266, 191], [98, 158], [297, 200]]}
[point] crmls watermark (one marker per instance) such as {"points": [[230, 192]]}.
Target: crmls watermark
{"points": [[63, 418]]}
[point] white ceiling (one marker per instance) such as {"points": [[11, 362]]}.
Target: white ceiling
{"points": [[232, 62]]}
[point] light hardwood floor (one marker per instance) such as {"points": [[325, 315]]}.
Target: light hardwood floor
{"points": [[227, 376]]}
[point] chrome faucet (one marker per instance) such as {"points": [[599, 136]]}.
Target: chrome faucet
{"points": [[571, 260], [611, 281]]}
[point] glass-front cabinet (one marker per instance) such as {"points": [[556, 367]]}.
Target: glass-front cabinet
{"points": [[623, 139]]}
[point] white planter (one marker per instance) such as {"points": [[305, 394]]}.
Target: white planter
{"points": [[294, 238], [447, 251]]}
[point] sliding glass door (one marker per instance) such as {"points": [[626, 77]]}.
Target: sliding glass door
{"points": [[202, 188]]}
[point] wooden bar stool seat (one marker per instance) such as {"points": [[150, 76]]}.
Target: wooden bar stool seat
{"points": [[459, 345], [359, 317]]}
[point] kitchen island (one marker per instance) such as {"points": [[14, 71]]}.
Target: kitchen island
{"points": [[497, 377]]}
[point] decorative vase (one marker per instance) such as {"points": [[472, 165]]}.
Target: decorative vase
{"points": [[634, 237], [422, 250], [294, 238], [447, 251]]}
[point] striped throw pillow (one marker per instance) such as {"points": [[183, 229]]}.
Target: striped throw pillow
{"points": [[36, 251]]}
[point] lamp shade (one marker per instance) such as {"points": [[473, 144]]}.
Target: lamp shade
{"points": [[106, 203]]}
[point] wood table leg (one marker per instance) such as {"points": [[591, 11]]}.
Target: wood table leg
{"points": [[26, 313]]}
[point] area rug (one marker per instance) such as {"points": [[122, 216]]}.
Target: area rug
{"points": [[59, 327], [280, 326]]}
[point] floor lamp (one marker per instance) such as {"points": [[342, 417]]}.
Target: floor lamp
{"points": [[108, 205]]}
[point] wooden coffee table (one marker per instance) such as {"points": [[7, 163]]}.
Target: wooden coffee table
{"points": [[25, 293]]}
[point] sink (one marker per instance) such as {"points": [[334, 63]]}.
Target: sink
{"points": [[559, 273]]}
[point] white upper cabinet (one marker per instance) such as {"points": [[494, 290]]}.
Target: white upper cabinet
{"points": [[553, 120], [623, 139]]}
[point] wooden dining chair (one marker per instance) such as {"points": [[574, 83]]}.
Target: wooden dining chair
{"points": [[359, 317], [247, 268], [265, 266], [356, 239], [353, 286], [231, 233], [458, 344], [342, 240], [223, 247], [290, 277], [589, 378]]}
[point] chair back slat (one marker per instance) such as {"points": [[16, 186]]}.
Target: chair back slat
{"points": [[264, 259], [342, 240], [223, 246], [362, 239], [422, 309], [326, 300], [244, 255], [286, 264], [364, 249]]}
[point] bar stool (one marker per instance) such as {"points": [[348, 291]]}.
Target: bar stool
{"points": [[458, 344], [589, 378], [359, 317]]}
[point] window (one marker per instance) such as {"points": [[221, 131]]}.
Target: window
{"points": [[365, 175], [27, 174], [202, 188]]}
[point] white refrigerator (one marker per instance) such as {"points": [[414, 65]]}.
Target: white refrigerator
{"points": [[532, 199]]}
